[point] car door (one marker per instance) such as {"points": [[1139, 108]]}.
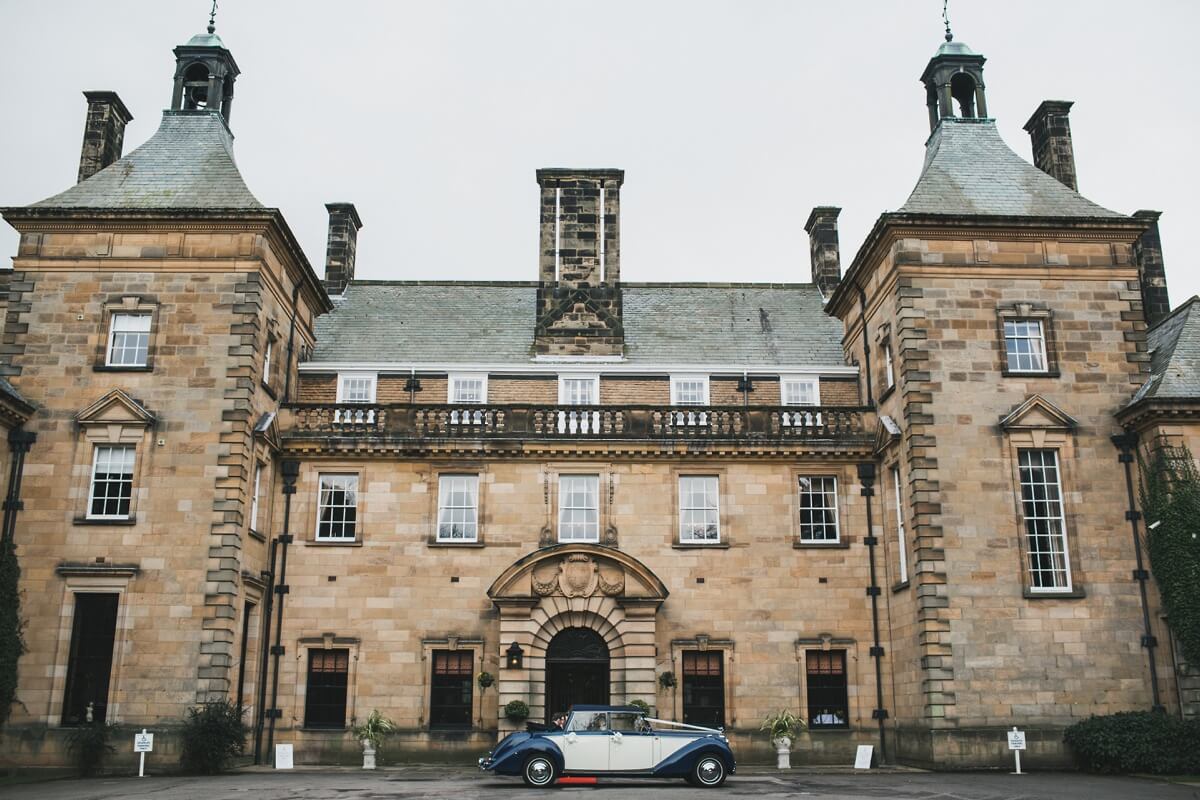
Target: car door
{"points": [[586, 743], [631, 745]]}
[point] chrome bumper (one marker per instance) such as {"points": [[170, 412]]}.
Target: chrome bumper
{"points": [[485, 763]]}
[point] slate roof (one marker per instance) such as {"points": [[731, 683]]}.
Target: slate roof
{"points": [[1174, 345], [464, 322], [187, 163], [970, 170]]}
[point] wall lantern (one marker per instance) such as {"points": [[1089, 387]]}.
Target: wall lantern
{"points": [[515, 656]]}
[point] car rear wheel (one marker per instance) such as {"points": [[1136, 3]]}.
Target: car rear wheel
{"points": [[708, 772], [539, 771]]}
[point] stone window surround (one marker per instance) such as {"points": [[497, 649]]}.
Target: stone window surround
{"points": [[893, 518], [326, 641], [844, 540], [261, 467], [126, 304], [314, 491], [827, 642], [133, 434], [1062, 442], [271, 360], [551, 473], [451, 642], [253, 593], [1019, 312], [703, 643], [97, 579], [433, 482], [720, 472]]}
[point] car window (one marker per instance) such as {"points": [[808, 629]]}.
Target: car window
{"points": [[588, 721], [626, 721]]}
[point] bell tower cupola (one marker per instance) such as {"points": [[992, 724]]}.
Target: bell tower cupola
{"points": [[204, 73], [954, 83]]}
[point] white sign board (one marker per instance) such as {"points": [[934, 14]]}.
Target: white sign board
{"points": [[143, 743], [862, 758], [1016, 740], [283, 756]]}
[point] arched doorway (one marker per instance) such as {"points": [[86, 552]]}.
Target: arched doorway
{"points": [[577, 670]]}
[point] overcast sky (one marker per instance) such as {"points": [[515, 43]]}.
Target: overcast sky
{"points": [[731, 119]]}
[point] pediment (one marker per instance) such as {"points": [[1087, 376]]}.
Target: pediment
{"points": [[115, 408], [578, 311], [887, 433], [267, 429], [577, 570], [1038, 413]]}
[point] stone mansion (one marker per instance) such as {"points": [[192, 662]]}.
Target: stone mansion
{"points": [[893, 500]]}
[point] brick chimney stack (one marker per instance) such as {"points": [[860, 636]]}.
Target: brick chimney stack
{"points": [[823, 248], [1152, 272], [1050, 130], [103, 133], [341, 247]]}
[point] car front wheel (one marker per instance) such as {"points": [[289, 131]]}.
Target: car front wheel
{"points": [[708, 772], [539, 771]]}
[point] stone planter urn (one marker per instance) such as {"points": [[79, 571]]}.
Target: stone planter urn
{"points": [[783, 752], [368, 754]]}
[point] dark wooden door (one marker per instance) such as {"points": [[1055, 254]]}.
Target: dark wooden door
{"points": [[571, 683], [89, 665]]}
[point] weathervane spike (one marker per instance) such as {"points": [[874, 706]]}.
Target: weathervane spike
{"points": [[945, 18], [212, 18]]}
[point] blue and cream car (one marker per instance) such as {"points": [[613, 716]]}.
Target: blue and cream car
{"points": [[614, 740]]}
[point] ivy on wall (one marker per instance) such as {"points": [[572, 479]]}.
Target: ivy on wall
{"points": [[11, 644], [1170, 495]]}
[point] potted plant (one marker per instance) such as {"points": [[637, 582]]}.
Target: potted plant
{"points": [[516, 710], [667, 680], [782, 727], [641, 705], [484, 679], [372, 733]]}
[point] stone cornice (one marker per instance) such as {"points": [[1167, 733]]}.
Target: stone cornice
{"points": [[1152, 410]]}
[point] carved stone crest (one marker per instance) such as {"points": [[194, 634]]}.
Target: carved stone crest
{"points": [[578, 576]]}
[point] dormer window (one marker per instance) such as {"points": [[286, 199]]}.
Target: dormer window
{"points": [[799, 391], [356, 387], [689, 390], [579, 390], [468, 388]]}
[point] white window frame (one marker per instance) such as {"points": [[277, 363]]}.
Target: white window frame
{"points": [[837, 525], [901, 533], [132, 450], [689, 528], [889, 368], [563, 380], [254, 500], [1058, 516], [454, 378], [562, 507], [372, 379], [266, 372], [813, 383], [1041, 352], [321, 505], [473, 482], [112, 331], [677, 379]]}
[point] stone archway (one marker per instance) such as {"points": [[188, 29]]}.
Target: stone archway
{"points": [[577, 586]]}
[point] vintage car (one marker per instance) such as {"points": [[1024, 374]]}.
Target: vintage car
{"points": [[613, 741]]}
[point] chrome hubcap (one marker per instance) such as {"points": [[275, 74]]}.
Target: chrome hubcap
{"points": [[539, 771], [709, 771]]}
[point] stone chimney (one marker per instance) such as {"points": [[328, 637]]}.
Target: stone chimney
{"points": [[103, 133], [823, 248], [579, 262], [342, 245], [1050, 130], [1152, 272]]}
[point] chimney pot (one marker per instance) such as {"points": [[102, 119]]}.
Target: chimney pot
{"points": [[103, 132], [1050, 130], [342, 246], [1152, 271], [823, 248]]}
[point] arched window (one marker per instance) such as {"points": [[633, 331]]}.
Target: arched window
{"points": [[195, 87], [962, 89]]}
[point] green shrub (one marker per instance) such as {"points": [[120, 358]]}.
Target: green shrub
{"points": [[11, 644], [516, 711], [89, 744], [212, 735], [641, 705], [1136, 741]]}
